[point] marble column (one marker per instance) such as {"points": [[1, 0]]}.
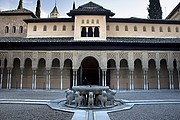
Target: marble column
{"points": [[105, 80], [158, 78], [179, 77], [103, 84], [171, 82], [74, 77], [131, 74], [34, 79], [1, 77], [145, 80], [9, 78], [118, 79], [48, 79], [21, 84], [61, 78]]}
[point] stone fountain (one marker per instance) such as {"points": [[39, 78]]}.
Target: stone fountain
{"points": [[90, 97]]}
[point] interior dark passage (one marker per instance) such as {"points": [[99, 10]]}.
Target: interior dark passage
{"points": [[90, 70]]}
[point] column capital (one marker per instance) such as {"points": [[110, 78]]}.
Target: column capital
{"points": [[34, 68]]}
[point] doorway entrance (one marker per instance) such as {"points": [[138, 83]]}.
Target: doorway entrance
{"points": [[89, 70]]}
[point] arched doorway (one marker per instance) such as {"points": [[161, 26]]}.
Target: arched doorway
{"points": [[90, 70]]}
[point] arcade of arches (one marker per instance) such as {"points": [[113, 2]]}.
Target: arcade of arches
{"points": [[126, 73]]}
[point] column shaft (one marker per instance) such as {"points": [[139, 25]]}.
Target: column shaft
{"points": [[34, 80], [61, 79], [21, 84], [179, 78], [1, 77], [145, 80], [48, 81], [105, 81], [158, 76], [131, 80], [118, 80], [103, 78], [10, 78]]}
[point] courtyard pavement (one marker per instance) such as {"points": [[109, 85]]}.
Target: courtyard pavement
{"points": [[165, 111]]}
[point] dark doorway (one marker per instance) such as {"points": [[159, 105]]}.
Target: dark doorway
{"points": [[90, 70]]}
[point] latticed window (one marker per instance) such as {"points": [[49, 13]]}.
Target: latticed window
{"points": [[72, 27], [82, 21], [152, 29], [135, 28], [144, 28], [54, 28], [64, 28], [126, 28], [87, 21], [107, 28], [92, 21], [21, 29], [45, 28], [35, 28], [13, 29], [169, 29], [117, 28], [160, 29], [6, 29], [177, 29], [97, 21]]}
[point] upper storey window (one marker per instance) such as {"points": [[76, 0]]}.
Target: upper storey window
{"points": [[54, 28], [92, 21], [13, 29], [90, 32], [87, 21], [6, 29], [152, 29], [82, 21], [72, 27], [169, 29], [97, 21], [135, 28], [44, 28], [64, 28], [144, 28], [117, 28], [108, 27], [177, 29], [21, 29], [126, 28], [35, 28], [160, 29]]}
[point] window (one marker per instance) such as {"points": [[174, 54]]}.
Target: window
{"points": [[87, 21], [152, 29], [6, 29], [92, 21], [83, 32], [135, 28], [160, 29], [108, 28], [82, 21], [35, 28], [169, 29], [72, 27], [177, 29], [96, 32], [64, 28], [13, 29], [54, 28], [45, 28], [21, 29], [126, 28], [144, 28], [117, 28], [90, 32], [97, 21]]}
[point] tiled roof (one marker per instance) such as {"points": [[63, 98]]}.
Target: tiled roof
{"points": [[55, 10], [49, 20], [173, 11], [18, 12], [90, 9]]}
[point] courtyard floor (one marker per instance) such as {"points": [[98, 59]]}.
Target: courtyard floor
{"points": [[167, 111]]}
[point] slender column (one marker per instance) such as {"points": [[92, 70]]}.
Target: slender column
{"points": [[1, 77], [179, 78], [21, 84], [131, 80], [171, 83], [158, 77], [61, 79], [9, 78], [34, 79], [99, 75], [48, 80], [145, 80], [105, 81], [103, 84], [118, 79], [74, 77]]}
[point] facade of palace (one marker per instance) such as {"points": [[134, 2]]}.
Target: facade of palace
{"points": [[58, 53]]}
